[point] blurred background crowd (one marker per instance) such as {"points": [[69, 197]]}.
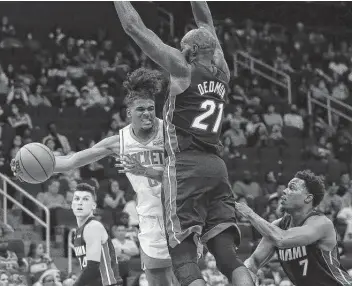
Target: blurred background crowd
{"points": [[62, 86]]}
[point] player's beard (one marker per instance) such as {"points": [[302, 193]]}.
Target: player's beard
{"points": [[281, 209]]}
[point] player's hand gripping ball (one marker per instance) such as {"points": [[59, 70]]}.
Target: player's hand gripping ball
{"points": [[34, 163]]}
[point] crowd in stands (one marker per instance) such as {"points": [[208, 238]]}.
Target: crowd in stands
{"points": [[53, 82]]}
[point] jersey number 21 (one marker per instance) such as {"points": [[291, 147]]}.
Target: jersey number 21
{"points": [[210, 107]]}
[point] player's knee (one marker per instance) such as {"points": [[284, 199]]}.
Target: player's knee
{"points": [[187, 273], [227, 265], [184, 262], [160, 276], [223, 248]]}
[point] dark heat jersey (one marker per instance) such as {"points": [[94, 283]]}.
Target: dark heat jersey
{"points": [[193, 118], [108, 262], [309, 265]]}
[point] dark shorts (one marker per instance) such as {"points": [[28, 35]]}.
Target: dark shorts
{"points": [[197, 197]]}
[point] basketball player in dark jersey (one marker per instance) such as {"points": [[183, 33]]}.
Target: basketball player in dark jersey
{"points": [[92, 245], [197, 197], [304, 239]]}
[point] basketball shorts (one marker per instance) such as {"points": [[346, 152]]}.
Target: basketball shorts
{"points": [[153, 244], [197, 197]]}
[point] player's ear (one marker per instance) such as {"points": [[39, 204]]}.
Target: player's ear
{"points": [[194, 49], [128, 112], [187, 53], [308, 199]]}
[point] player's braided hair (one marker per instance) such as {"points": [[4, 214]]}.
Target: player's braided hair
{"points": [[314, 184], [144, 83]]}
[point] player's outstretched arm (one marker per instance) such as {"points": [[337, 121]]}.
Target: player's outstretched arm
{"points": [[203, 18], [166, 56], [105, 147], [315, 228]]}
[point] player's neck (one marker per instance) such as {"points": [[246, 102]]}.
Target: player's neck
{"points": [[204, 61], [299, 216], [82, 220]]}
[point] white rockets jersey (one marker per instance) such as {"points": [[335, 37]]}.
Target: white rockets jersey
{"points": [[149, 154]]}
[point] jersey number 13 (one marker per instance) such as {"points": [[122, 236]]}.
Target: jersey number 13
{"points": [[210, 107]]}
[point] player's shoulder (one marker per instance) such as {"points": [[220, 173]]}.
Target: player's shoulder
{"points": [[93, 227], [319, 221], [322, 225]]}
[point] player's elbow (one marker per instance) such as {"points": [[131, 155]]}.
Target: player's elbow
{"points": [[131, 25], [290, 241], [280, 241]]}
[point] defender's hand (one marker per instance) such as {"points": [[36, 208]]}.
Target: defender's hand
{"points": [[243, 210], [131, 165]]}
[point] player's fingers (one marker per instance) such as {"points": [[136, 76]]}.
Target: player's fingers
{"points": [[130, 159], [122, 161], [128, 170], [123, 171], [126, 160], [125, 166], [18, 179], [13, 165]]}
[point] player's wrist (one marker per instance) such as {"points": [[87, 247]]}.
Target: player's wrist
{"points": [[251, 214]]}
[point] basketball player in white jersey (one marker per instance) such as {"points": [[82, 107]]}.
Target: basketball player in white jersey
{"points": [[142, 143]]}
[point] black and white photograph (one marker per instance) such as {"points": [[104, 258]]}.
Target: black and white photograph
{"points": [[175, 143]]}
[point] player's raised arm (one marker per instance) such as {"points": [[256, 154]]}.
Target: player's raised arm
{"points": [[262, 254], [105, 147], [203, 18], [315, 228], [166, 56], [93, 236]]}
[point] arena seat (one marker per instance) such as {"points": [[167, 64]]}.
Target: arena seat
{"points": [[65, 217], [17, 246], [315, 166], [292, 132], [107, 218]]}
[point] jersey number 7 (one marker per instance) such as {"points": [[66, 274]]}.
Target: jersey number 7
{"points": [[304, 263], [210, 107]]}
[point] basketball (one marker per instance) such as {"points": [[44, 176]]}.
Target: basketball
{"points": [[35, 163]]}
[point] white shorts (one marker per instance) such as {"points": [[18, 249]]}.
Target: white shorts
{"points": [[152, 239]]}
